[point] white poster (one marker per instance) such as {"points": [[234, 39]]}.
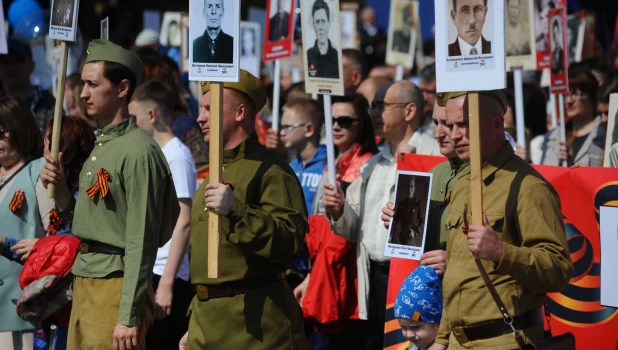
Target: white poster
{"points": [[408, 227], [213, 32], [63, 19], [105, 29], [250, 47], [3, 44], [609, 258], [349, 33], [470, 50], [520, 41]]}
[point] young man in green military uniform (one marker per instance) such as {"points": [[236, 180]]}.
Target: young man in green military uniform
{"points": [[264, 223], [126, 209], [521, 244]]}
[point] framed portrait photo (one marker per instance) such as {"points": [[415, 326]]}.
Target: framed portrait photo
{"points": [[559, 57], [279, 31], [519, 28], [408, 227], [184, 43], [470, 45], [105, 28], [250, 48], [322, 47], [402, 33], [349, 26], [576, 31], [63, 20], [214, 43]]}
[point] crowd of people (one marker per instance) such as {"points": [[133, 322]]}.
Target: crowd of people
{"points": [[302, 259]]}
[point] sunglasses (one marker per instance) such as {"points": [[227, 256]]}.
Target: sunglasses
{"points": [[2, 133], [345, 122]]}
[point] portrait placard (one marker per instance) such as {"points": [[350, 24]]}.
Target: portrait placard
{"points": [[279, 29], [520, 46], [322, 46], [4, 49], [541, 13], [609, 245], [250, 47], [348, 20], [63, 20], [408, 227], [184, 43], [170, 29], [213, 32], [470, 50], [559, 57], [402, 33], [576, 28], [105, 28]]}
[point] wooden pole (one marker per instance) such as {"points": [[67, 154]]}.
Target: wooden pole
{"points": [[215, 174], [476, 162], [554, 116], [399, 72], [276, 95], [55, 145]]}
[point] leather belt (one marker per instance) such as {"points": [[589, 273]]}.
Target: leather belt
{"points": [[89, 246], [495, 328], [229, 289]]}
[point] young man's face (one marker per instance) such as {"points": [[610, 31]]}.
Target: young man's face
{"points": [[457, 123], [442, 133], [142, 110], [513, 8], [321, 25], [422, 334], [99, 95], [469, 18], [213, 11], [293, 130]]}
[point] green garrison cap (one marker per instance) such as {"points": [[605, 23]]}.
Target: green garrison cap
{"points": [[248, 84], [105, 50], [443, 97]]}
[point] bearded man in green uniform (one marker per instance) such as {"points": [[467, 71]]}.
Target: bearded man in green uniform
{"points": [[261, 204], [522, 242], [126, 209]]}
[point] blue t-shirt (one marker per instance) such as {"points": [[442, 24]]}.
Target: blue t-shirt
{"points": [[309, 177]]}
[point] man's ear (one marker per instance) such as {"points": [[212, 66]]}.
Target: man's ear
{"points": [[153, 115], [498, 125], [357, 78], [410, 111], [124, 87], [241, 112], [309, 130]]}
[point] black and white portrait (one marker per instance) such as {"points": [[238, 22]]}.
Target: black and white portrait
{"points": [[575, 37], [470, 29], [250, 47], [410, 210], [557, 50], [402, 35], [279, 20], [215, 44], [517, 28], [322, 52], [62, 13], [170, 29], [105, 29], [541, 9]]}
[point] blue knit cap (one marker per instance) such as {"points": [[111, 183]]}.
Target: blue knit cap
{"points": [[420, 297]]}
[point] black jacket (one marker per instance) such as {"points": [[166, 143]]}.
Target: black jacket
{"points": [[323, 66], [454, 50], [223, 49]]}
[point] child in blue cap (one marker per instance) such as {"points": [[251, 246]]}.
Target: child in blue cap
{"points": [[418, 307]]}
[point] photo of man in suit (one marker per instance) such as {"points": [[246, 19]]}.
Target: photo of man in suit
{"points": [[62, 13], [469, 17], [409, 219], [214, 46], [403, 35], [322, 58], [557, 51], [279, 23]]}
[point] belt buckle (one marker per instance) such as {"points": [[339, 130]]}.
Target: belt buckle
{"points": [[460, 335], [202, 292], [84, 247]]}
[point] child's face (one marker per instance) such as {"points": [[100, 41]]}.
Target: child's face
{"points": [[422, 334]]}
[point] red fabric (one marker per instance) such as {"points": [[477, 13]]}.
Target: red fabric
{"points": [[332, 294], [51, 255]]}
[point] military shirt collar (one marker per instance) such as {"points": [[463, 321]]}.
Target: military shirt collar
{"points": [[111, 132], [240, 151], [455, 163], [500, 158]]}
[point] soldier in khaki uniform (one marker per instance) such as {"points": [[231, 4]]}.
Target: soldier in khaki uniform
{"points": [[264, 223], [126, 209], [522, 243]]}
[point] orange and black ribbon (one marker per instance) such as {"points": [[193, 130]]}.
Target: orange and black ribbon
{"points": [[54, 223], [17, 203], [100, 185]]}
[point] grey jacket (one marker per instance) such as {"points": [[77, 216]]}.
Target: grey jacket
{"points": [[590, 154]]}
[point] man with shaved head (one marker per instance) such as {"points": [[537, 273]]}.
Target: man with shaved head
{"points": [[521, 242], [370, 86], [354, 215]]}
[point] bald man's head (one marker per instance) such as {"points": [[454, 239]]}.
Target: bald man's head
{"points": [[370, 86], [407, 92]]}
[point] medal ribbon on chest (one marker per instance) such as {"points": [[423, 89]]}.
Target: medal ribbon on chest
{"points": [[100, 185], [54, 223], [17, 203]]}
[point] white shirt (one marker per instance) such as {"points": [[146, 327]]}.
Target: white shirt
{"points": [[184, 175], [465, 47], [424, 143]]}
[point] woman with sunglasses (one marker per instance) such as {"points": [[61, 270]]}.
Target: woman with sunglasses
{"points": [[24, 209], [582, 127], [333, 306]]}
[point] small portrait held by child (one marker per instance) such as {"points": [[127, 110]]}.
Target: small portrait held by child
{"points": [[418, 307]]}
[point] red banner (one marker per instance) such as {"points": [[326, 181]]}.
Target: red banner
{"points": [[577, 308], [278, 35]]}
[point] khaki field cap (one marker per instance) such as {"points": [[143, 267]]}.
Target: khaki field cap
{"points": [[105, 50], [248, 84], [443, 97]]}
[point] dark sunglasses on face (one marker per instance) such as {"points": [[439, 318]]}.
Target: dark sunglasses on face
{"points": [[345, 122], [2, 133]]}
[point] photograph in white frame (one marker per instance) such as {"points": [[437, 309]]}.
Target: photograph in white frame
{"points": [[407, 231], [170, 29], [4, 49], [250, 47], [403, 33], [184, 43], [215, 21], [322, 47], [520, 32], [576, 29], [63, 20], [458, 66], [349, 36], [105, 28]]}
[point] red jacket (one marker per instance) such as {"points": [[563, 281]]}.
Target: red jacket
{"points": [[332, 294]]}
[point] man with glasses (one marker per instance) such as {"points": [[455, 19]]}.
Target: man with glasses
{"points": [[354, 216], [427, 83], [301, 124]]}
